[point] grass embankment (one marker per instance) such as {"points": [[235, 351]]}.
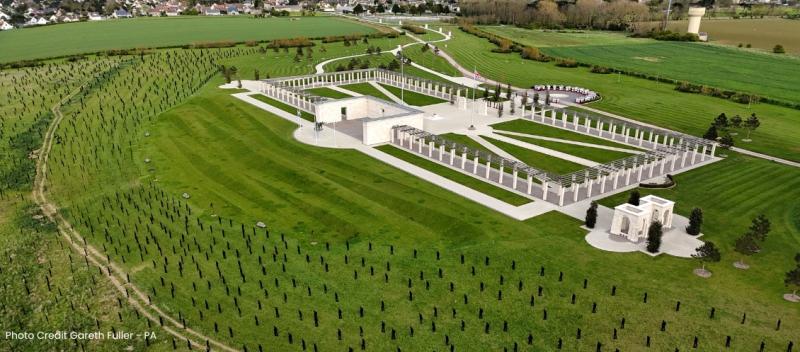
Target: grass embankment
{"points": [[640, 99]]}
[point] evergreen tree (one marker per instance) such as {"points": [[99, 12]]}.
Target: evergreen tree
{"points": [[708, 252], [695, 222], [591, 215], [746, 245], [760, 227], [654, 234], [497, 93], [634, 197], [736, 121], [751, 124], [711, 133], [721, 121], [726, 141]]}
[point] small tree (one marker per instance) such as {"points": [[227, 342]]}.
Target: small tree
{"points": [[591, 215], [751, 124], [736, 121], [721, 121], [508, 90], [726, 141], [654, 234], [711, 133], [706, 253], [745, 245], [778, 49], [695, 222], [256, 75], [497, 93], [634, 197], [535, 98], [760, 227], [792, 278]]}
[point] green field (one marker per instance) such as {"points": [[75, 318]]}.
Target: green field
{"points": [[762, 33], [722, 67], [636, 98], [327, 92], [83, 37], [167, 175], [594, 154], [538, 129]]}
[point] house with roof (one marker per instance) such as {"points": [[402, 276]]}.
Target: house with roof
{"points": [[212, 11], [121, 13], [4, 26], [232, 10]]}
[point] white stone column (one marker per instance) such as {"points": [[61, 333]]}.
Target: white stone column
{"points": [[713, 149], [488, 169], [463, 160], [639, 176], [452, 156], [616, 179], [530, 187], [603, 184], [514, 180], [475, 166], [421, 142], [561, 195], [576, 188], [441, 152], [705, 150], [500, 178], [662, 163], [589, 188], [628, 176]]}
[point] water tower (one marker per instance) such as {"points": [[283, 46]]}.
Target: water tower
{"points": [[695, 15]]}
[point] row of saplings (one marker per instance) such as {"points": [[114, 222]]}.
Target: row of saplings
{"points": [[747, 244]]}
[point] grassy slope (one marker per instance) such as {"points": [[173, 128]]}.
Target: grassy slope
{"points": [[75, 38], [717, 66], [639, 99], [763, 33], [468, 181], [327, 195]]}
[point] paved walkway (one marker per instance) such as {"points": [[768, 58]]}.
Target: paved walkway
{"points": [[387, 93], [551, 152], [491, 147], [345, 91], [566, 141]]}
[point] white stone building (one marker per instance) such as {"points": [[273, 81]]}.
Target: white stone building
{"points": [[633, 221]]}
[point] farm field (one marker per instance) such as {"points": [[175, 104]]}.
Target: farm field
{"points": [[735, 69], [640, 99], [210, 209], [762, 33], [83, 37]]}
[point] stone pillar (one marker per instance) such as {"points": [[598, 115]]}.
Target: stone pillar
{"points": [[463, 160], [662, 162], [530, 187], [500, 178], [561, 195], [514, 180], [589, 188], [441, 152], [639, 176], [625, 133], [603, 184], [576, 188], [453, 156], [616, 179], [694, 154], [652, 165], [674, 159], [475, 166], [421, 142], [683, 158], [628, 176], [705, 150], [488, 169], [713, 149]]}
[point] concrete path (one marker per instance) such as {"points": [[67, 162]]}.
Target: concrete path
{"points": [[387, 93], [491, 147], [345, 91], [543, 150], [565, 141], [764, 156]]}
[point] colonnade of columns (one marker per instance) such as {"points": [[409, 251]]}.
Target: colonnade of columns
{"points": [[294, 99]]}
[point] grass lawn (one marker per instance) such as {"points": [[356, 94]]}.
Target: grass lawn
{"points": [[595, 154], [327, 92], [537, 159], [636, 98], [463, 140], [367, 89], [469, 181], [285, 107], [82, 37], [413, 98], [538, 129], [717, 66]]}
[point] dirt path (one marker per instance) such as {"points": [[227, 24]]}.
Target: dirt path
{"points": [[135, 297]]}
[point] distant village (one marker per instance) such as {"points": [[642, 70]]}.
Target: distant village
{"points": [[22, 13]]}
